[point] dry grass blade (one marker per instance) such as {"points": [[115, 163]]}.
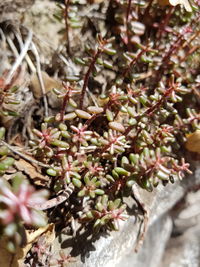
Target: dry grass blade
{"points": [[20, 58], [39, 73]]}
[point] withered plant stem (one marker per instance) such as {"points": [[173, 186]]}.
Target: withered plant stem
{"points": [[137, 197], [56, 200], [22, 155]]}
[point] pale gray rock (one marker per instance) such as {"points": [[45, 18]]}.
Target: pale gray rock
{"points": [[183, 251], [154, 245], [183, 248]]}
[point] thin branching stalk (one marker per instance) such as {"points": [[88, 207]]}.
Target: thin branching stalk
{"points": [[146, 13], [87, 75], [166, 58], [64, 103], [149, 112], [67, 2], [127, 70], [165, 23], [128, 11]]}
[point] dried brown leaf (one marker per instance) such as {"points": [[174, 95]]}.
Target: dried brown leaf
{"points": [[49, 84], [8, 259], [24, 166], [193, 142]]}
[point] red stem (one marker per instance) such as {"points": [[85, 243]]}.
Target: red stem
{"points": [[133, 62], [67, 2], [146, 13], [187, 123], [150, 110], [87, 76], [165, 23], [62, 112], [172, 49], [89, 121], [166, 58], [128, 11]]}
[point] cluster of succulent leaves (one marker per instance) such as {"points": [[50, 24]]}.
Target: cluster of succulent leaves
{"points": [[131, 131], [103, 142], [17, 198], [8, 98]]}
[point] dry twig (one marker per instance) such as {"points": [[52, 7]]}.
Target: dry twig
{"points": [[142, 233], [57, 200], [27, 158]]}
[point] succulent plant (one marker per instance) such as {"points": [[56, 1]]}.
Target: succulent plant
{"points": [[107, 212], [127, 130], [17, 208], [129, 133]]}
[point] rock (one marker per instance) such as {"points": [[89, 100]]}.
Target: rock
{"points": [[184, 250], [183, 247], [153, 247]]}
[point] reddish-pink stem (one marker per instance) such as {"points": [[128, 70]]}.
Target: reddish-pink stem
{"points": [[87, 76], [151, 109], [128, 11], [67, 2], [165, 23], [146, 13], [133, 62], [62, 112]]}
